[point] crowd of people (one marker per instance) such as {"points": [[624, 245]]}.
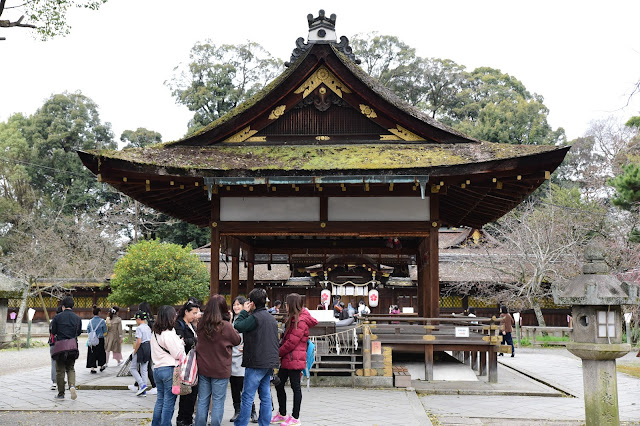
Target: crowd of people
{"points": [[240, 346]]}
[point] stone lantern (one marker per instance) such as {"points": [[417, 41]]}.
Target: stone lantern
{"points": [[9, 289], [596, 298]]}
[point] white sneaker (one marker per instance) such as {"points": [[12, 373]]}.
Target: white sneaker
{"points": [[133, 388], [54, 386], [74, 395], [152, 391]]}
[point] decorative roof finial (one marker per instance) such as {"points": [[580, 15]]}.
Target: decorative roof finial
{"points": [[321, 29]]}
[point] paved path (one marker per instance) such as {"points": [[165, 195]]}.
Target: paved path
{"points": [[554, 366], [517, 399]]}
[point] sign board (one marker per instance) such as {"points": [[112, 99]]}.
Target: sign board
{"points": [[376, 348], [407, 310], [462, 331]]}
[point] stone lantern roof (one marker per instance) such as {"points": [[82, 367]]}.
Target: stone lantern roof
{"points": [[595, 286], [9, 288]]}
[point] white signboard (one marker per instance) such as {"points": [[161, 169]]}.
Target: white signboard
{"points": [[267, 209], [396, 209], [462, 331]]}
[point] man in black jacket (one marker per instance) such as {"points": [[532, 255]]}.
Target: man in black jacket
{"points": [[65, 326], [259, 357]]}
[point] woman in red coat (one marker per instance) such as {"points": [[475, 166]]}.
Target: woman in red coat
{"points": [[293, 358]]}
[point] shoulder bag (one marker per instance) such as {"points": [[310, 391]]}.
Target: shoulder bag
{"points": [[177, 388]]}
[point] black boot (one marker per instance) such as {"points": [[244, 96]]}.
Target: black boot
{"points": [[236, 414], [254, 415]]}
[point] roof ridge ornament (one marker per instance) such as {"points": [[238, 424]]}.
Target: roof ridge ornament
{"points": [[322, 30]]}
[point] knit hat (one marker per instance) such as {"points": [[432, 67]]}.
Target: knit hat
{"points": [[142, 315]]}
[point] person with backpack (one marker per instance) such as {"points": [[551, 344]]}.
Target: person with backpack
{"points": [[96, 355], [293, 358]]}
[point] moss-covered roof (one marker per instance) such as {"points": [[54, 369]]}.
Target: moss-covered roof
{"points": [[321, 157]]}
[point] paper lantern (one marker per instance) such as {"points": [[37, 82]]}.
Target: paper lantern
{"points": [[373, 298], [325, 296]]}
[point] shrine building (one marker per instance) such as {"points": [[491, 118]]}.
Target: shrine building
{"points": [[329, 172]]}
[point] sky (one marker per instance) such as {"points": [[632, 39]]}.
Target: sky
{"points": [[583, 57]]}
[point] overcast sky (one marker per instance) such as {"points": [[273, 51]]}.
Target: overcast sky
{"points": [[583, 57]]}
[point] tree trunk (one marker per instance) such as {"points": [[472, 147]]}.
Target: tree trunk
{"points": [[44, 307], [539, 316], [23, 308]]}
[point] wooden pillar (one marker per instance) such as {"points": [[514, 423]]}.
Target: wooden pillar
{"points": [[250, 270], [235, 268], [493, 365], [214, 283], [423, 274], [434, 259], [482, 368], [428, 362]]}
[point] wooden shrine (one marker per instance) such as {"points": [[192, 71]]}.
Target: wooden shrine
{"points": [[330, 169]]}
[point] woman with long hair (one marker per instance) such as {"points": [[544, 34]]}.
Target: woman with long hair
{"points": [[293, 358], [237, 370], [115, 335], [166, 349], [216, 339], [185, 328], [96, 356]]}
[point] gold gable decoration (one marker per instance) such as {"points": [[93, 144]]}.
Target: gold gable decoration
{"points": [[277, 112], [242, 135], [322, 76], [405, 134]]}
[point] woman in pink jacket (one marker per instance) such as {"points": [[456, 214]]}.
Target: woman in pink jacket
{"points": [[293, 358]]}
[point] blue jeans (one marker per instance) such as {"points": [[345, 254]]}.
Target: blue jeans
{"points": [[256, 379], [209, 387], [166, 401]]}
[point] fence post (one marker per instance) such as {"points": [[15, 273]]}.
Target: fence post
{"points": [[366, 349]]}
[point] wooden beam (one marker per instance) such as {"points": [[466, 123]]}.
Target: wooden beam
{"points": [[352, 229]]}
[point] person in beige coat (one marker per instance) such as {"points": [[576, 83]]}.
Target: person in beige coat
{"points": [[115, 335]]}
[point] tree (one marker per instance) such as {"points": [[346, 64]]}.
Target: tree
{"points": [[140, 138], [158, 273], [484, 103], [65, 123], [54, 246], [540, 246], [384, 57], [627, 197], [48, 17], [219, 78]]}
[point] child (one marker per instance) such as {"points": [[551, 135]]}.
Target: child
{"points": [[141, 352]]}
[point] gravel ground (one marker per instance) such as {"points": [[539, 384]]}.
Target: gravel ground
{"points": [[12, 360]]}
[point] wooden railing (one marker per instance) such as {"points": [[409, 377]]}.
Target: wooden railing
{"points": [[533, 332], [476, 338]]}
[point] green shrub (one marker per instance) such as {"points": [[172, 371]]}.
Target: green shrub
{"points": [[158, 273]]}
